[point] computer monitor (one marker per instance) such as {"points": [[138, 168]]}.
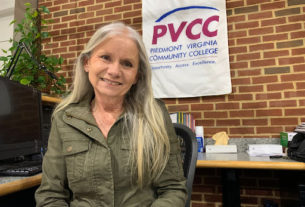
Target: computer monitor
{"points": [[20, 120]]}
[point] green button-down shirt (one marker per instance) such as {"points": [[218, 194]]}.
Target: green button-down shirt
{"points": [[81, 168]]}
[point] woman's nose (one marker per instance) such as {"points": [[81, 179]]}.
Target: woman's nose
{"points": [[114, 69]]}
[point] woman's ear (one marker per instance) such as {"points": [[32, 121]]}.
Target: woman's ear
{"points": [[86, 64]]}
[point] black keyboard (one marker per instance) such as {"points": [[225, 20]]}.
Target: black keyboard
{"points": [[21, 170]]}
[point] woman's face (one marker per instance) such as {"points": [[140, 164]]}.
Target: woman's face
{"points": [[113, 67]]}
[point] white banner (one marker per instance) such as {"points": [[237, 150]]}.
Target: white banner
{"points": [[187, 46]]}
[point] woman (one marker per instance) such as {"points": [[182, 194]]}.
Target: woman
{"points": [[111, 143]]}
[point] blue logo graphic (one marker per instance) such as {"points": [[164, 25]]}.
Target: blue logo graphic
{"points": [[184, 8]]}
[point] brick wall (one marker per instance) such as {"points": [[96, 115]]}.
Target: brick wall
{"points": [[267, 49]]}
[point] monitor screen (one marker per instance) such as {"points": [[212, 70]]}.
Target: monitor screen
{"points": [[20, 120]]}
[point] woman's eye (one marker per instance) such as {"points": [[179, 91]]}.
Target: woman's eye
{"points": [[105, 57], [127, 64]]}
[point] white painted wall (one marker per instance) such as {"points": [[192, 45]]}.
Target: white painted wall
{"points": [[6, 16]]}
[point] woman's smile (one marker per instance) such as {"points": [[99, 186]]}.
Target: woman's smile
{"points": [[114, 83]]}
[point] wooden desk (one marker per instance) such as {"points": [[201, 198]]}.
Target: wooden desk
{"points": [[244, 161], [14, 184], [231, 162]]}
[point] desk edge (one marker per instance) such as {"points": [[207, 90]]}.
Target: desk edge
{"points": [[250, 165], [18, 185]]}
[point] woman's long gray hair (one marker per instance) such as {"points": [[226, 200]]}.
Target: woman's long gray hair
{"points": [[143, 115]]}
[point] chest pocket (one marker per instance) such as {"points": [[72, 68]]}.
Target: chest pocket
{"points": [[76, 153]]}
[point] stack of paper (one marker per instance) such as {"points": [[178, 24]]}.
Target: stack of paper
{"points": [[265, 149]]}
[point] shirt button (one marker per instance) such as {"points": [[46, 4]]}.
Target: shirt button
{"points": [[69, 149], [89, 129]]}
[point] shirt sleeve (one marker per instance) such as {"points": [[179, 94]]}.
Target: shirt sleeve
{"points": [[53, 190], [171, 186]]}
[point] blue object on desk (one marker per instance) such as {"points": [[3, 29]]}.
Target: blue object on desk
{"points": [[200, 144]]}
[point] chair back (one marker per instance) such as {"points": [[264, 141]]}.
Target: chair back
{"points": [[189, 150]]}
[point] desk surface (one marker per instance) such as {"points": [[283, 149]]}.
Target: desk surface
{"points": [[14, 184], [243, 160], [240, 160]]}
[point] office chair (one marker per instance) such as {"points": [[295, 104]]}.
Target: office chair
{"points": [[189, 152]]}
